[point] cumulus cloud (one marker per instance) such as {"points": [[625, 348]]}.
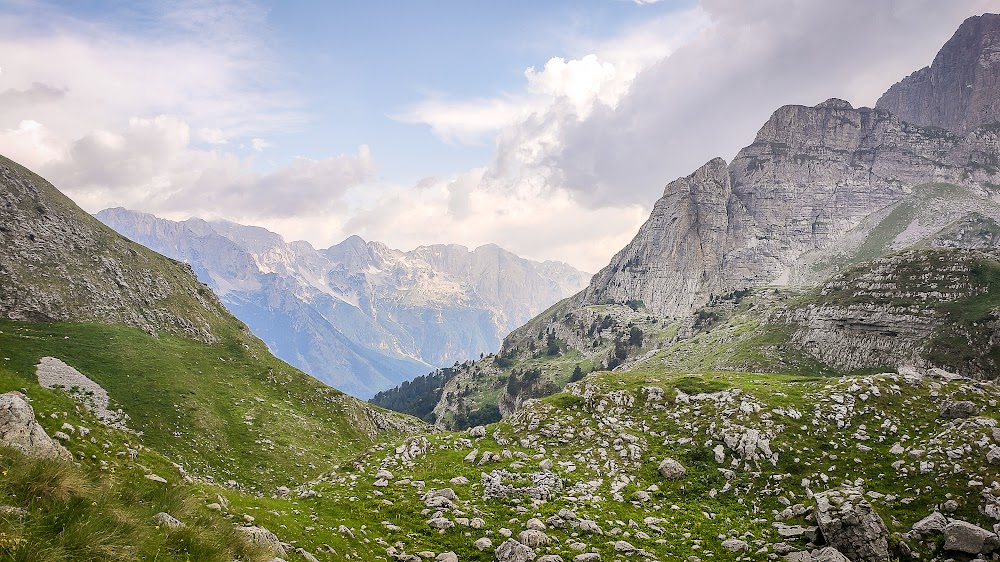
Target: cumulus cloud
{"points": [[709, 97], [145, 118], [151, 165]]}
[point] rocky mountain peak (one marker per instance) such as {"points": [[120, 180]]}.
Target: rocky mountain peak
{"points": [[960, 90]]}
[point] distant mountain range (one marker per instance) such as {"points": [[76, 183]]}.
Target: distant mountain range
{"points": [[360, 316]]}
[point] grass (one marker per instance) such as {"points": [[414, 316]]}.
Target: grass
{"points": [[222, 411], [73, 514]]}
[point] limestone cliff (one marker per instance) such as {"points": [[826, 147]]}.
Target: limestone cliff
{"points": [[958, 91], [811, 175]]}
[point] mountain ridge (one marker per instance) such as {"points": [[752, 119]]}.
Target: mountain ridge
{"points": [[359, 315]]}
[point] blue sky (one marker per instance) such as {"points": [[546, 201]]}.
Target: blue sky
{"points": [[549, 128]]}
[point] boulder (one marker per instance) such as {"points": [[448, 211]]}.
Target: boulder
{"points": [[167, 521], [850, 525], [671, 469], [828, 554], [533, 537], [513, 551], [263, 537], [932, 524], [957, 409], [735, 545], [960, 536], [20, 430]]}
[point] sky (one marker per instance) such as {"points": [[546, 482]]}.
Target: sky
{"points": [[548, 128]]}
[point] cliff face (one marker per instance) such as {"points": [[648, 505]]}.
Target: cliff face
{"points": [[811, 175], [958, 91]]}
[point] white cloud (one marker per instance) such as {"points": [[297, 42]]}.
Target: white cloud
{"points": [[259, 144]]}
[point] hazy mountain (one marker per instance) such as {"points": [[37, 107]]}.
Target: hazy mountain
{"points": [[359, 316]]}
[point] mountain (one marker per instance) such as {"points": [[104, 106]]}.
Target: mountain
{"points": [[59, 264], [121, 355], [157, 343], [841, 406], [811, 176], [821, 191], [957, 91], [359, 316]]}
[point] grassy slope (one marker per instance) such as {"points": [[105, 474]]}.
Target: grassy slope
{"points": [[799, 413], [219, 410]]}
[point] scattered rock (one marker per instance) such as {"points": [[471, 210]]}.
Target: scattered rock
{"points": [[960, 536], [513, 551], [933, 523], [262, 536], [829, 554], [735, 545]]}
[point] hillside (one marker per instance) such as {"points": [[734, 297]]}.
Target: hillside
{"points": [[359, 316], [137, 369]]}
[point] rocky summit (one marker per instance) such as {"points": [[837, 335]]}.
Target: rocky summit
{"points": [[957, 91], [794, 360]]}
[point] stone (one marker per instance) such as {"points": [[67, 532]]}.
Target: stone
{"points": [[850, 524], [829, 554], [735, 545], [309, 557], [624, 546], [932, 524], [533, 538], [446, 557], [483, 544], [993, 455], [671, 469], [441, 523], [960, 536], [263, 537], [550, 558], [478, 431], [167, 521], [20, 430], [513, 551], [957, 409], [535, 523], [587, 557]]}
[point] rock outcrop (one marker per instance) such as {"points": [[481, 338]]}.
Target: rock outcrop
{"points": [[20, 430], [958, 91], [850, 525]]}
